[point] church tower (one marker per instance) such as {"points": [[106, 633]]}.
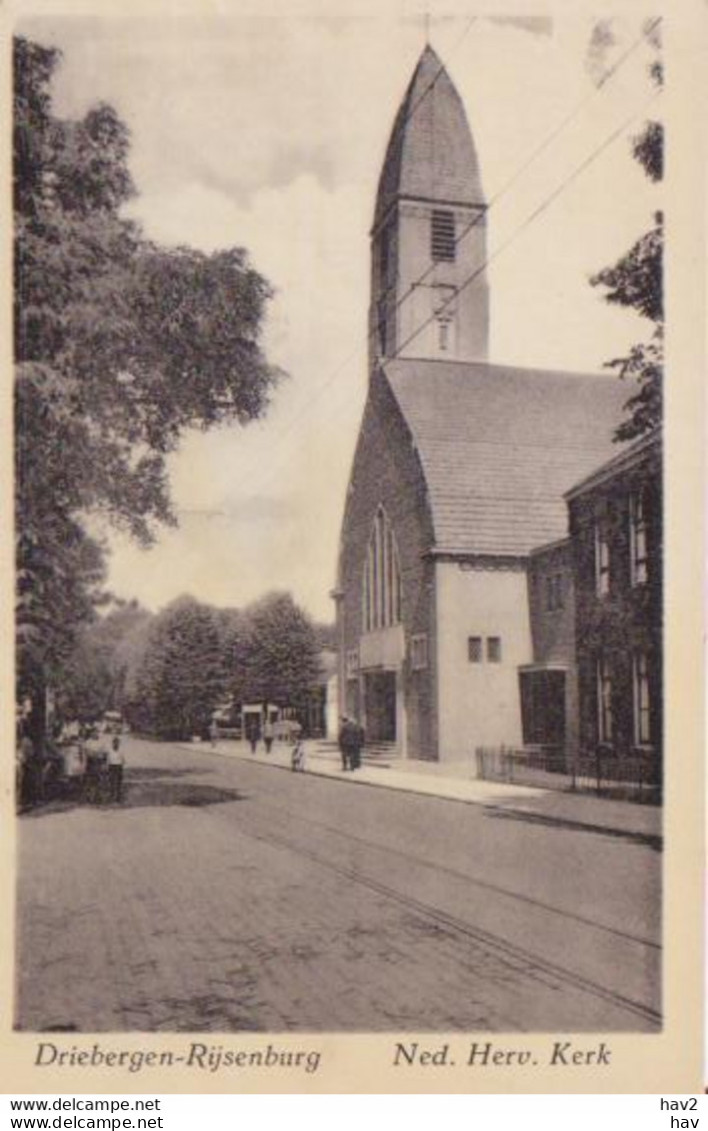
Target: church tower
{"points": [[429, 233]]}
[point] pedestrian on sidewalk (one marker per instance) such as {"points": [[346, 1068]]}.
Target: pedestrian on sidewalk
{"points": [[356, 744], [213, 733], [297, 756], [268, 734], [116, 762], [351, 740], [253, 735], [343, 741]]}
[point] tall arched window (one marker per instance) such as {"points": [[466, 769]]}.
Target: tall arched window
{"points": [[382, 577]]}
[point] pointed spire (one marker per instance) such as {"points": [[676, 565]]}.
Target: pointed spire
{"points": [[430, 154]]}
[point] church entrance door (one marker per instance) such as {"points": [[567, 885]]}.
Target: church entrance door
{"points": [[380, 694]]}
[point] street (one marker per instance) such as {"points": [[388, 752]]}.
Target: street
{"points": [[223, 896]]}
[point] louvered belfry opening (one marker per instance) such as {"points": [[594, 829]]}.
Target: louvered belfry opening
{"points": [[442, 235]]}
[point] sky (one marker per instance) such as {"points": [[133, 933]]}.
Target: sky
{"points": [[268, 132]]}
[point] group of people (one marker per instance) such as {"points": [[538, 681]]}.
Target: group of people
{"points": [[290, 731], [351, 742], [268, 735], [104, 756], [72, 753]]}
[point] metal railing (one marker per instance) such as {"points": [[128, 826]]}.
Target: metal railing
{"points": [[635, 777]]}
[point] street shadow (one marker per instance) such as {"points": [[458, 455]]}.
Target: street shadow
{"points": [[647, 840], [145, 773], [139, 794], [143, 788]]}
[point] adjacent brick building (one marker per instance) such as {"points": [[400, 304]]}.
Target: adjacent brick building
{"points": [[548, 685], [616, 537], [459, 474]]}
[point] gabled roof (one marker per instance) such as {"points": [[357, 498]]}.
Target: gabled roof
{"points": [[430, 153], [499, 446], [641, 451]]}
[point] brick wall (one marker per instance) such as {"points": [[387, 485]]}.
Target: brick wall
{"points": [[629, 616], [386, 471], [552, 604], [551, 591]]}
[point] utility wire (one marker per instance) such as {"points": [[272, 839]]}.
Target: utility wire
{"points": [[545, 204], [357, 349], [547, 141]]}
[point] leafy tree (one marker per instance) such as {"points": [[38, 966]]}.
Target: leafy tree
{"points": [[59, 585], [91, 679], [120, 346], [282, 652], [636, 281], [326, 636], [235, 652], [180, 678]]}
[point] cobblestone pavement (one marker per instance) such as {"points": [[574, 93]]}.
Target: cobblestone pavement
{"points": [[224, 897]]}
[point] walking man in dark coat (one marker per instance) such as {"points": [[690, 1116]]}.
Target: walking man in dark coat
{"points": [[343, 740], [356, 745], [351, 740]]}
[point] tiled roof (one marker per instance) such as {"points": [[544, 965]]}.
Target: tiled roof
{"points": [[629, 456], [499, 446], [430, 152]]}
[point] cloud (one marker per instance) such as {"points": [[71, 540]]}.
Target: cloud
{"points": [[253, 508], [602, 41], [269, 134], [537, 25]]}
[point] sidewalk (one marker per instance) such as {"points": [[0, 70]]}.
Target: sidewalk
{"points": [[454, 782]]}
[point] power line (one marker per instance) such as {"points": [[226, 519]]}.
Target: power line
{"points": [[547, 141], [545, 204], [357, 349], [555, 132]]}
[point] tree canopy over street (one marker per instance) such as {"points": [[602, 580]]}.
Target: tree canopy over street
{"points": [[636, 281], [120, 346]]}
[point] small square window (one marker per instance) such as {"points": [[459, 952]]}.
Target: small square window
{"points": [[474, 649], [494, 649]]}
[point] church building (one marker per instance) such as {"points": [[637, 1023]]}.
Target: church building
{"points": [[461, 465]]}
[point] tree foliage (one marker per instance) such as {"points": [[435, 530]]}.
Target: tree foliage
{"points": [[636, 282], [178, 666], [120, 345], [91, 678], [281, 649], [180, 678]]}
